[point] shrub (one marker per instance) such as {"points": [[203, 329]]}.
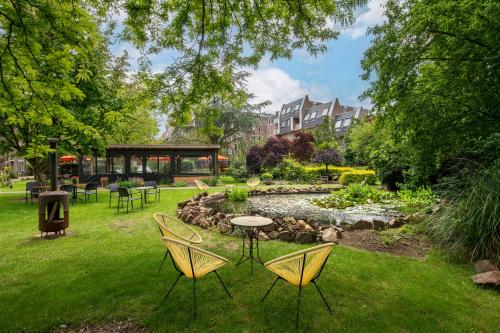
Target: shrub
{"points": [[293, 170], [238, 194], [471, 220], [240, 174], [127, 183], [266, 175], [210, 181], [187, 165], [180, 184], [353, 194], [302, 148], [227, 180], [254, 160], [327, 156], [421, 198], [358, 176], [275, 149]]}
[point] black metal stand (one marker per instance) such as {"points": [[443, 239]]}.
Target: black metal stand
{"points": [[252, 234]]}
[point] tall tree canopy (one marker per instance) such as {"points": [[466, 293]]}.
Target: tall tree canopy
{"points": [[436, 69], [52, 77], [213, 40]]}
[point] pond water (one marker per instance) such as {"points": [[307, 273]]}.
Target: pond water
{"points": [[301, 207]]}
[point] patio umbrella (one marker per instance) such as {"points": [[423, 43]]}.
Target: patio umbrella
{"points": [[222, 158], [67, 158]]}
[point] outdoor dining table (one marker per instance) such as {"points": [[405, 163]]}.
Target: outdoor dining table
{"points": [[145, 189], [251, 226]]}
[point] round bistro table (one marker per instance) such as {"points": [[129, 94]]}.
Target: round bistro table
{"points": [[250, 225], [145, 189]]}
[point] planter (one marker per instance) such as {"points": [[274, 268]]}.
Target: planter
{"points": [[267, 181]]}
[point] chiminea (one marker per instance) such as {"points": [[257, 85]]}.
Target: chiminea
{"points": [[49, 208], [49, 203]]}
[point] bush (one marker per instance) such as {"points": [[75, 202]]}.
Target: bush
{"points": [[238, 194], [227, 180], [210, 181], [471, 220], [187, 165], [293, 170], [302, 148], [240, 174], [267, 175], [353, 194], [358, 176], [421, 198], [180, 184], [255, 158]]}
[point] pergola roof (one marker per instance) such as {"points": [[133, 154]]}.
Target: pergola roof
{"points": [[163, 147]]}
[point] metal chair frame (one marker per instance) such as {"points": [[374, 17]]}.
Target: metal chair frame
{"points": [[300, 288], [129, 199], [33, 190], [155, 191], [194, 281], [112, 193], [88, 192]]}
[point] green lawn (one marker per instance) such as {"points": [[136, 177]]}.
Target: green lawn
{"points": [[106, 268]]}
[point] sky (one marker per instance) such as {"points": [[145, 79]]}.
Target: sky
{"points": [[334, 74]]}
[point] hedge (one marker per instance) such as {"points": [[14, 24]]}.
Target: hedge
{"points": [[358, 176]]}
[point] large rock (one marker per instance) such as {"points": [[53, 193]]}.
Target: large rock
{"points": [[262, 236], [301, 225], [304, 237], [378, 224], [330, 235], [483, 266], [273, 234], [395, 222], [268, 228], [346, 226], [487, 279], [362, 224], [286, 236]]}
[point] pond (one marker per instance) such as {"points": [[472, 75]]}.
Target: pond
{"points": [[301, 207]]}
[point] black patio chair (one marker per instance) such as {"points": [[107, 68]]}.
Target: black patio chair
{"points": [[113, 192], [32, 190], [124, 195], [155, 191], [69, 188], [90, 189]]}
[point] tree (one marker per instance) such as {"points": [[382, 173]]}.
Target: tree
{"points": [[254, 159], [52, 79], [215, 39], [324, 134], [436, 70], [275, 149], [302, 147], [327, 156]]}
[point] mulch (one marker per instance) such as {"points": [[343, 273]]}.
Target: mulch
{"points": [[413, 246]]}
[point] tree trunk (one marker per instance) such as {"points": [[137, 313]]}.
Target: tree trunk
{"points": [[39, 166]]}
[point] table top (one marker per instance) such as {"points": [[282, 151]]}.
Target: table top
{"points": [[251, 221], [144, 188]]}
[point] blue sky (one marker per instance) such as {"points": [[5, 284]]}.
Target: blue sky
{"points": [[334, 74]]}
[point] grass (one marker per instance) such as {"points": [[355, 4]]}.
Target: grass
{"points": [[106, 268]]}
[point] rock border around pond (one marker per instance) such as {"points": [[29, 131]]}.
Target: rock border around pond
{"points": [[195, 211]]}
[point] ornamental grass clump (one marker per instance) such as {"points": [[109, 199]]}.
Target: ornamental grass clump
{"points": [[238, 194]]}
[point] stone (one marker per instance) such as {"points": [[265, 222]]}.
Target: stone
{"points": [[378, 224], [483, 266], [346, 226], [224, 227], [202, 222], [308, 228], [301, 225], [487, 279], [362, 224], [262, 236], [330, 236], [395, 222], [273, 234], [289, 220], [304, 237], [286, 236], [338, 233], [268, 228]]}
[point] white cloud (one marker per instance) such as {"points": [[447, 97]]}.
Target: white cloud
{"points": [[275, 85], [374, 15]]}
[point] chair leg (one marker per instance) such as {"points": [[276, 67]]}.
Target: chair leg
{"points": [[109, 206], [171, 288], [223, 284], [267, 293], [95, 195], [163, 261], [127, 204], [194, 298], [324, 300], [298, 309]]}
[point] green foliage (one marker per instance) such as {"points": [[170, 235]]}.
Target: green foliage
{"points": [[238, 194], [414, 201], [324, 135], [267, 175], [358, 176], [187, 165], [227, 180], [240, 174], [471, 220], [180, 184], [353, 194], [210, 181], [435, 66], [127, 183], [213, 40]]}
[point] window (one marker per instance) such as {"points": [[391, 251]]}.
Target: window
{"points": [[118, 164], [338, 124], [136, 164], [325, 112], [194, 164], [101, 165], [296, 107], [152, 164], [307, 116], [288, 123], [313, 114], [347, 122]]}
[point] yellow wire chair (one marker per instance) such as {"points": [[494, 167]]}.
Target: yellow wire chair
{"points": [[253, 182], [201, 185], [187, 234], [299, 269], [193, 263]]}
